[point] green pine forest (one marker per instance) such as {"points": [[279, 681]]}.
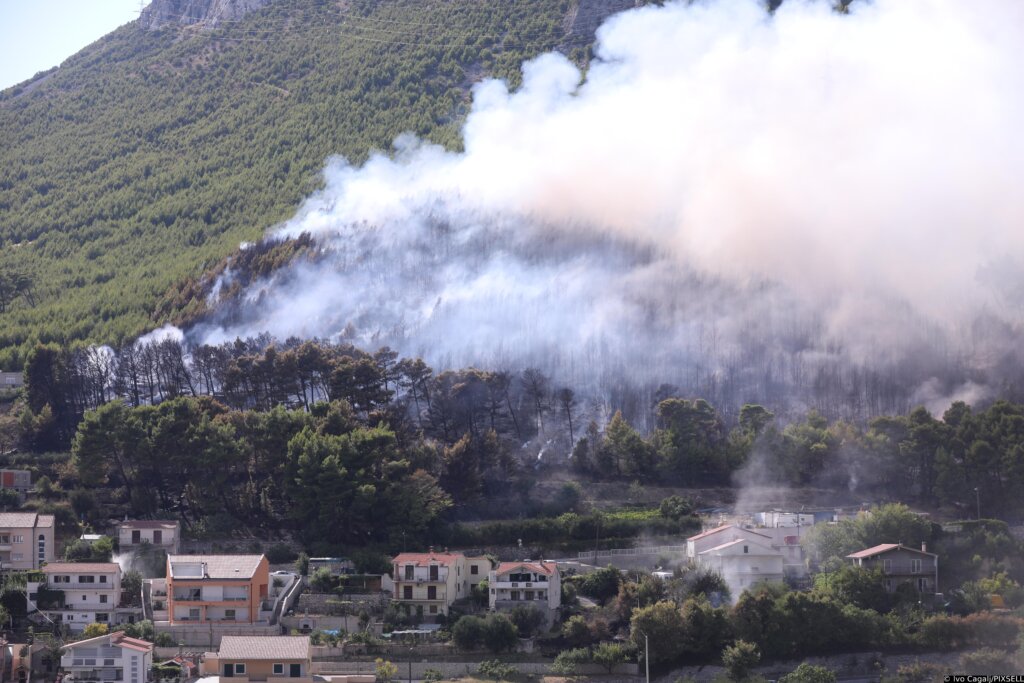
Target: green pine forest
{"points": [[148, 157]]}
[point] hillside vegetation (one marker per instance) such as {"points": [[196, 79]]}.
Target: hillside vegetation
{"points": [[151, 155]]}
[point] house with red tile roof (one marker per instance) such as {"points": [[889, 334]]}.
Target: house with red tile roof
{"points": [[533, 584], [428, 583], [112, 658]]}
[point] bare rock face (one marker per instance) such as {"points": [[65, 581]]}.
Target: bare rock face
{"points": [[207, 12]]}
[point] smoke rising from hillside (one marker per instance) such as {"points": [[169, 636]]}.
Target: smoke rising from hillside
{"points": [[728, 197]]}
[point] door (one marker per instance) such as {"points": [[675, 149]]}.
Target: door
{"points": [[158, 537], [136, 537], [295, 670], [229, 671]]}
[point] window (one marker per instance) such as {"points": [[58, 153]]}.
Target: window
{"points": [[42, 548], [240, 668], [229, 614], [295, 670], [102, 617], [15, 557], [407, 593], [5, 539], [90, 662], [279, 669], [86, 579], [108, 662], [193, 614], [887, 566], [433, 609], [431, 592], [103, 598], [409, 569], [83, 598], [433, 572], [19, 539], [529, 595], [103, 579], [513, 595], [915, 566], [474, 569], [746, 549]]}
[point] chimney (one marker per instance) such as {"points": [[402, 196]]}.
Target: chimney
{"points": [[924, 546]]}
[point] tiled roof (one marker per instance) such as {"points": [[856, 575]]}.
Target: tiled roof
{"points": [[147, 524], [426, 559], [117, 638], [264, 647], [79, 567], [547, 568], [219, 566], [724, 527], [24, 519], [884, 548], [738, 541]]}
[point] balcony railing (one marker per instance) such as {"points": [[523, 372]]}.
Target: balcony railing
{"points": [[907, 569]]}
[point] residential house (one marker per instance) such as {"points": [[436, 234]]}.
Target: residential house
{"points": [[430, 582], [743, 556], [16, 480], [26, 540], [712, 538], [218, 589], [11, 380], [158, 533], [537, 584], [81, 593], [261, 658], [743, 563], [113, 658], [901, 565]]}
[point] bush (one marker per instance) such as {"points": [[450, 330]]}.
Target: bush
{"points": [[601, 585], [279, 553], [567, 661], [740, 658], [499, 633], [809, 673], [432, 675], [610, 655], [468, 633], [527, 619], [987, 660], [497, 670]]}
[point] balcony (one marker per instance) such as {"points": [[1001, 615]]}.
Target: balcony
{"points": [[906, 569], [520, 584]]}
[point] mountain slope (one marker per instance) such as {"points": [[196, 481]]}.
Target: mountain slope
{"points": [[152, 154]]}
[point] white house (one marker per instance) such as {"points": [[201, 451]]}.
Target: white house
{"points": [[113, 658], [537, 584], [711, 538], [163, 534], [88, 592], [743, 563]]}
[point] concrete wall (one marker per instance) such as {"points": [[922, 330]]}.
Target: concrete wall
{"points": [[449, 669]]}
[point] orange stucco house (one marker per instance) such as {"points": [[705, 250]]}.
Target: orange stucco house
{"points": [[203, 589]]}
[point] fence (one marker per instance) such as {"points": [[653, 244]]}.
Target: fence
{"points": [[649, 550]]}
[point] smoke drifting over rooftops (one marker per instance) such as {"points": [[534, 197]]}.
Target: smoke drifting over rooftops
{"points": [[729, 198]]}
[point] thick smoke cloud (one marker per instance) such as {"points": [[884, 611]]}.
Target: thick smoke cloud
{"points": [[729, 198]]}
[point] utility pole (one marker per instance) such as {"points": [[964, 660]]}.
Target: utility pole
{"points": [[647, 661], [977, 500]]}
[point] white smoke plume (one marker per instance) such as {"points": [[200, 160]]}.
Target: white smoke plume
{"points": [[725, 191]]}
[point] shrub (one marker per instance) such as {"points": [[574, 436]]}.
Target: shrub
{"points": [[987, 660], [432, 675], [279, 553], [610, 655], [497, 670], [740, 658], [567, 661], [527, 619], [809, 673], [468, 632], [384, 670], [499, 633]]}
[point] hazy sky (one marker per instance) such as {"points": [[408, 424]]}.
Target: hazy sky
{"points": [[38, 34]]}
